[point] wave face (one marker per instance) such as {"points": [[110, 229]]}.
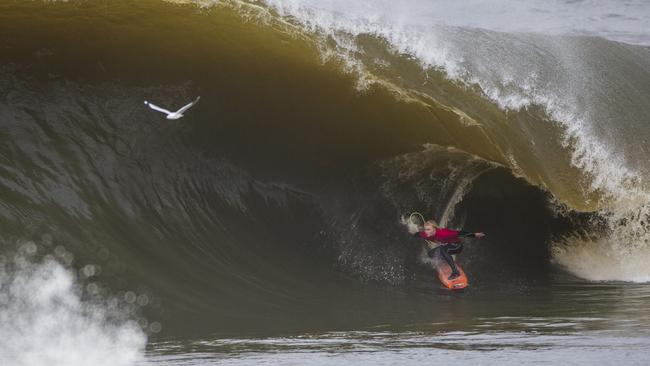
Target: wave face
{"points": [[281, 194]]}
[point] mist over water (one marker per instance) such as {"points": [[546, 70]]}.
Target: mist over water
{"points": [[46, 319], [269, 222]]}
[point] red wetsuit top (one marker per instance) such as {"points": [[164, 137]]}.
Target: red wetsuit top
{"points": [[444, 236]]}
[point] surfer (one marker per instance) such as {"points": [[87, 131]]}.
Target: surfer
{"points": [[449, 240]]}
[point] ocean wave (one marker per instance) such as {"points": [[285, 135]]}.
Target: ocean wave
{"points": [[316, 132]]}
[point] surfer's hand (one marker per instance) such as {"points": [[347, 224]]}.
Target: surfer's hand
{"points": [[479, 235]]}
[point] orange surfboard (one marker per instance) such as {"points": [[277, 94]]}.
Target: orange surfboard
{"points": [[444, 271]]}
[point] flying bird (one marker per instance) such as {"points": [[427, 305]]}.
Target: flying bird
{"points": [[172, 115]]}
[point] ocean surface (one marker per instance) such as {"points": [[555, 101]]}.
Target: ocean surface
{"points": [[270, 224]]}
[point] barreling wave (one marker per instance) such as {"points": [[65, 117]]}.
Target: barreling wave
{"points": [[577, 103], [316, 132]]}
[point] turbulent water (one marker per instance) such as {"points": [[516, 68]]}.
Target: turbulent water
{"points": [[269, 224]]}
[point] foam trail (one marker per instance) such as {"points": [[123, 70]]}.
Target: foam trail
{"points": [[44, 321]]}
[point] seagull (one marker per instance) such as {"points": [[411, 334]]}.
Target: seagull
{"points": [[172, 115]]}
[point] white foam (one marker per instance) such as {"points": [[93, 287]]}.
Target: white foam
{"points": [[599, 260], [603, 18], [45, 322]]}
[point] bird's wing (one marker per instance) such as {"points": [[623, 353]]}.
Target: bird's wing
{"points": [[155, 107], [180, 111]]}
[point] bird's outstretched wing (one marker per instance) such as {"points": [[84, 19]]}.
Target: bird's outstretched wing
{"points": [[180, 111], [155, 107]]}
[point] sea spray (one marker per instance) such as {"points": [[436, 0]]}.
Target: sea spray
{"points": [[47, 318]]}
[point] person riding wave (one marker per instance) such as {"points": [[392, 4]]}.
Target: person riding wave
{"points": [[449, 240]]}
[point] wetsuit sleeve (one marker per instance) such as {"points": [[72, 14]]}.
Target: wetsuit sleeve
{"points": [[465, 234]]}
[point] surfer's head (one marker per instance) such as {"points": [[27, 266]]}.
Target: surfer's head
{"points": [[430, 227]]}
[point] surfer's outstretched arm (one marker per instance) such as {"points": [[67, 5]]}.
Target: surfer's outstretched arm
{"points": [[468, 234]]}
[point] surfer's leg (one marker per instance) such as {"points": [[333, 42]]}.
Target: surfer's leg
{"points": [[444, 253], [455, 248]]}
